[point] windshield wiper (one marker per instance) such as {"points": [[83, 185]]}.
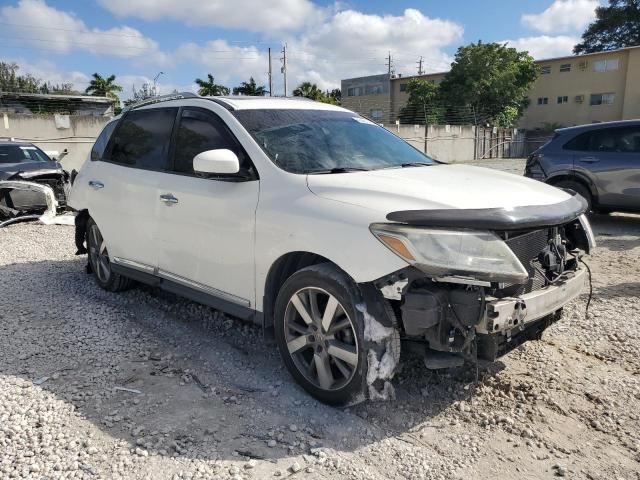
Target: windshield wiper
{"points": [[337, 170], [411, 164]]}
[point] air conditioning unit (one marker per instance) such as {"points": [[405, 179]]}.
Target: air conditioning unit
{"points": [[579, 98], [582, 65]]}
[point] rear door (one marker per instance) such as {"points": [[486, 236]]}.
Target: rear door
{"points": [[611, 158], [123, 186], [207, 230]]}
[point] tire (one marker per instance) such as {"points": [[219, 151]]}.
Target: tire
{"points": [[100, 263], [332, 359], [580, 189]]}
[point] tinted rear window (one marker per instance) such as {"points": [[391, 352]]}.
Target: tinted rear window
{"points": [[142, 138]]}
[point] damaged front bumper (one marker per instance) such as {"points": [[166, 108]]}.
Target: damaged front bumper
{"points": [[504, 314], [45, 210]]}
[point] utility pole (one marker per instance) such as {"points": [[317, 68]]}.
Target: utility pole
{"points": [[270, 75], [284, 66], [420, 72], [389, 64]]}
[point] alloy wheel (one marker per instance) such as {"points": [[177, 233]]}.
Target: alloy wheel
{"points": [[321, 338], [98, 254]]}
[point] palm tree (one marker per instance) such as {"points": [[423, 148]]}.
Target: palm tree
{"points": [[103, 87], [308, 90], [250, 88], [209, 87]]}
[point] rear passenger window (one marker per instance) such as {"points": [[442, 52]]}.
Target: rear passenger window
{"points": [[619, 139], [101, 142], [199, 131], [142, 139]]}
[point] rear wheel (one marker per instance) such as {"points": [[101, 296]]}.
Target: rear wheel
{"points": [[580, 189], [320, 331], [100, 263]]}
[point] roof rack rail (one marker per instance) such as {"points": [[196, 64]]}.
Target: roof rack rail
{"points": [[161, 98]]}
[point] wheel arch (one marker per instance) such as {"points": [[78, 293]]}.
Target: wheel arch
{"points": [[578, 178], [281, 269]]}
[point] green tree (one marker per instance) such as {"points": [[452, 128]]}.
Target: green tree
{"points": [[209, 87], [11, 81], [423, 106], [308, 90], [486, 82], [139, 95], [250, 89], [615, 26], [103, 87], [334, 96]]}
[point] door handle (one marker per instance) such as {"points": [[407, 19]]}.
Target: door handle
{"points": [[589, 159], [168, 199], [96, 184]]}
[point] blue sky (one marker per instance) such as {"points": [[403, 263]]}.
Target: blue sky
{"points": [[66, 41]]}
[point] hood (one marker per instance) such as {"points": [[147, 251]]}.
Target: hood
{"points": [[434, 187], [29, 169]]}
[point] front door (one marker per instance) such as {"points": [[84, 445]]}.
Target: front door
{"points": [[207, 228], [611, 157]]}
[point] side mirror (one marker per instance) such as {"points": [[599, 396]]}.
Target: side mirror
{"points": [[220, 161]]}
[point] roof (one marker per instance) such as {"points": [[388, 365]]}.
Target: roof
{"points": [[568, 57], [7, 141], [589, 126], [43, 96], [261, 103]]}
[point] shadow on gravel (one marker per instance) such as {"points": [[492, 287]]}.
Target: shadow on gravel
{"points": [[175, 378]]}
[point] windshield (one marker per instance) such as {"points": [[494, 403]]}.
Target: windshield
{"points": [[22, 154], [316, 141]]}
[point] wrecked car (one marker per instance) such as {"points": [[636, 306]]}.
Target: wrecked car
{"points": [[343, 241], [32, 185]]}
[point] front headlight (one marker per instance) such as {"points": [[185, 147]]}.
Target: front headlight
{"points": [[479, 255]]}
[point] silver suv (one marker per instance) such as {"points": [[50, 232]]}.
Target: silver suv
{"points": [[600, 161]]}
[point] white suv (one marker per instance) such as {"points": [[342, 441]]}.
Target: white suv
{"points": [[335, 235]]}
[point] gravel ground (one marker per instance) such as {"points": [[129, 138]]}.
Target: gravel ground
{"points": [[143, 384]]}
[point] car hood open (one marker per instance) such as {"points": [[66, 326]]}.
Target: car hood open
{"points": [[409, 195]]}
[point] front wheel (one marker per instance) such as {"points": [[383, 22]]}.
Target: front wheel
{"points": [[100, 263], [320, 331], [580, 189]]}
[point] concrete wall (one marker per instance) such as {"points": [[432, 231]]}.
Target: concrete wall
{"points": [[448, 143], [76, 133]]}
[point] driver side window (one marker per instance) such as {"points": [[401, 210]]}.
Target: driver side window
{"points": [[199, 131]]}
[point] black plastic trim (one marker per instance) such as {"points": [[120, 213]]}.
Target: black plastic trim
{"points": [[518, 218], [222, 103], [218, 303]]}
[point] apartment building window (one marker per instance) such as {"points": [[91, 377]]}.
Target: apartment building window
{"points": [[602, 98], [376, 114], [565, 67], [563, 99], [354, 91], [403, 87], [543, 100], [608, 65], [373, 89], [545, 70]]}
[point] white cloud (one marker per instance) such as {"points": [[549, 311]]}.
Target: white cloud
{"points": [[48, 71], [36, 23], [545, 46], [252, 15], [352, 43], [347, 44], [562, 16]]}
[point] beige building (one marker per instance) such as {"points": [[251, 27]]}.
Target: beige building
{"points": [[571, 90]]}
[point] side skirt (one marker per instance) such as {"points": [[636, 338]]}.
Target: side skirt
{"points": [[239, 311]]}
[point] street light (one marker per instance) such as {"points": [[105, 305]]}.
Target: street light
{"points": [[155, 79]]}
